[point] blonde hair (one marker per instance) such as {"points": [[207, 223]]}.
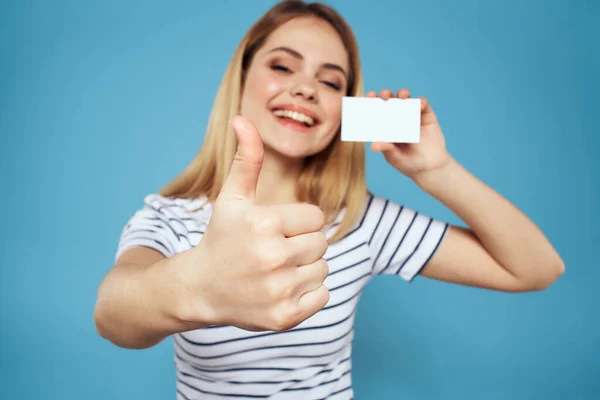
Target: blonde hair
{"points": [[333, 179]]}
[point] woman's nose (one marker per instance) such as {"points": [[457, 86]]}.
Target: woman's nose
{"points": [[306, 90]]}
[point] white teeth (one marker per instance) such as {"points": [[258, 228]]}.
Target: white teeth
{"points": [[295, 116]]}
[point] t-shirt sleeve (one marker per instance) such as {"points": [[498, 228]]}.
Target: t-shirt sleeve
{"points": [[402, 240], [149, 227]]}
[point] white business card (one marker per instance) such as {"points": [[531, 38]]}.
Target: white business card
{"points": [[367, 119]]}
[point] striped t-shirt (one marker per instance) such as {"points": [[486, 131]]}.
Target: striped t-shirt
{"points": [[312, 360]]}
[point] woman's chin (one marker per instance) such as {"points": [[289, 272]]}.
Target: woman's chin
{"points": [[291, 153]]}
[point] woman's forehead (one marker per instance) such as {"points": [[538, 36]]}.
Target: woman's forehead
{"points": [[313, 38]]}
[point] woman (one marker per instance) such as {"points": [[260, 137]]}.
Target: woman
{"points": [[255, 256]]}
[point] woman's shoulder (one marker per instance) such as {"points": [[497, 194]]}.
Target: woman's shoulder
{"points": [[176, 205], [381, 212], [371, 206], [377, 203], [166, 224], [182, 211], [374, 199]]}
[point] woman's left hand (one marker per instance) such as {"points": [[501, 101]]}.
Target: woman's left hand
{"points": [[415, 159]]}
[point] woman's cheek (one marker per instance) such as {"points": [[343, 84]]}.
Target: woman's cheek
{"points": [[264, 85], [334, 110], [273, 87]]}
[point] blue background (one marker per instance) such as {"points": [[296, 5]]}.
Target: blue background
{"points": [[103, 102]]}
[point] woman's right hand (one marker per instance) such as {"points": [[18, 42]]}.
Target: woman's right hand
{"points": [[257, 267]]}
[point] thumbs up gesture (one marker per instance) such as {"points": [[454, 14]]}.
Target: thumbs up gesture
{"points": [[261, 267]]}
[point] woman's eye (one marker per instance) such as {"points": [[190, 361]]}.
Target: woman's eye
{"points": [[332, 85], [279, 67]]}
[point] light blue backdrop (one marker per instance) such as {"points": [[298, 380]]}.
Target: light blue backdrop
{"points": [[102, 102]]}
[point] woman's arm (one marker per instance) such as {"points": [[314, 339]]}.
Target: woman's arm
{"points": [[503, 250], [137, 300]]}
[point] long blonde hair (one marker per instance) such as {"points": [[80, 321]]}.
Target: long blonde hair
{"points": [[333, 179]]}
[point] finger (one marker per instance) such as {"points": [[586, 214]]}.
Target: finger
{"points": [[297, 219], [386, 94], [311, 277], [424, 103], [372, 93], [306, 249], [312, 302], [427, 115], [245, 169], [403, 94], [381, 146]]}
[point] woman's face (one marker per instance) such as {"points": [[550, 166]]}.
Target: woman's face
{"points": [[294, 88]]}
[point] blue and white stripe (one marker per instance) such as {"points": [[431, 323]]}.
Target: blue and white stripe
{"points": [[312, 360]]}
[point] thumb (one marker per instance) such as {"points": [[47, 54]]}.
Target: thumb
{"points": [[247, 162], [382, 146]]}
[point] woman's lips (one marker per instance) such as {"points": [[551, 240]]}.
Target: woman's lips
{"points": [[295, 125]]}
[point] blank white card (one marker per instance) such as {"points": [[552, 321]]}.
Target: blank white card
{"points": [[366, 119]]}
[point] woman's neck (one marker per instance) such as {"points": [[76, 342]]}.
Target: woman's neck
{"points": [[278, 180]]}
